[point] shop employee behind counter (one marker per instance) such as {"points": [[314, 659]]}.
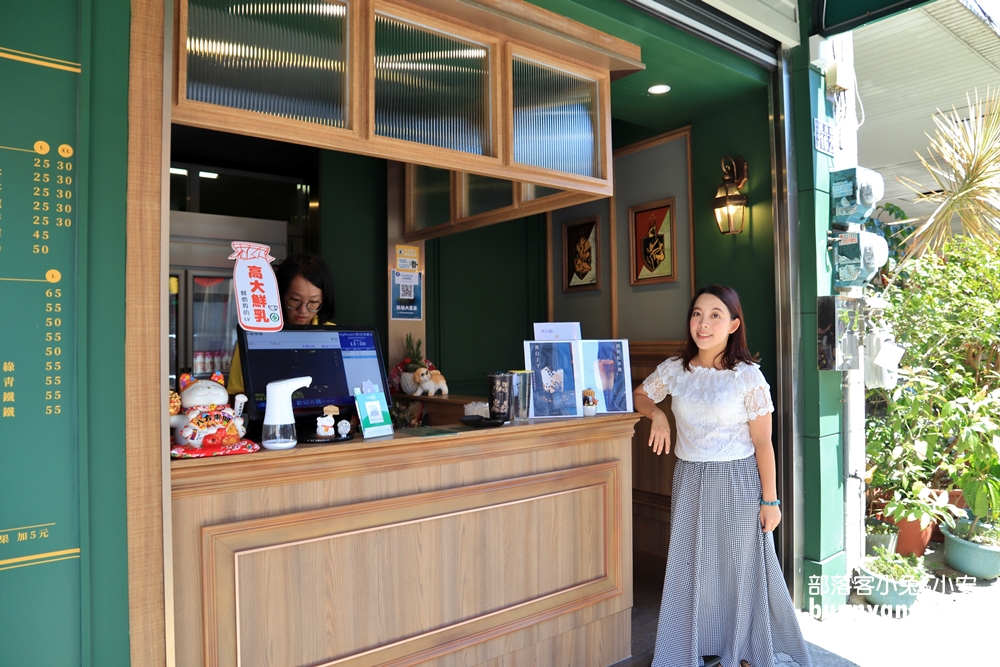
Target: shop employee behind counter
{"points": [[306, 289]]}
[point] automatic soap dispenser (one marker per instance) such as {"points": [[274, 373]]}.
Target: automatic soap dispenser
{"points": [[279, 421]]}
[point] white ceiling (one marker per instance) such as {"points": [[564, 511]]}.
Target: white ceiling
{"points": [[908, 67]]}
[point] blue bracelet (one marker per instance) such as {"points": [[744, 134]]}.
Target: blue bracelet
{"points": [[770, 503]]}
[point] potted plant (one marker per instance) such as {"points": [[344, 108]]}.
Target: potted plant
{"points": [[976, 552], [915, 513], [901, 467], [973, 546], [923, 435], [413, 360], [891, 579], [879, 534], [944, 298]]}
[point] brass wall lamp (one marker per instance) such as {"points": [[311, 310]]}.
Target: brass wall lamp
{"points": [[730, 204]]}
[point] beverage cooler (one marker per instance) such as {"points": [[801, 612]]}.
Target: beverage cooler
{"points": [[202, 303]]}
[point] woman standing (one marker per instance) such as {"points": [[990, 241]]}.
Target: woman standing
{"points": [[723, 593]]}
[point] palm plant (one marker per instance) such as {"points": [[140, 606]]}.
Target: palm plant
{"points": [[964, 161]]}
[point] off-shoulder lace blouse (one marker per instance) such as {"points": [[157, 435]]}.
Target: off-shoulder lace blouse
{"points": [[712, 407]]}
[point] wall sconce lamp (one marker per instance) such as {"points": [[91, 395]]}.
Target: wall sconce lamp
{"points": [[730, 204]]}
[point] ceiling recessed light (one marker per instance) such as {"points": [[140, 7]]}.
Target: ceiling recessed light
{"points": [[178, 171], [208, 174], [659, 89]]}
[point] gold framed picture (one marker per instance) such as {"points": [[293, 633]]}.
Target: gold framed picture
{"points": [[652, 243], [580, 267]]}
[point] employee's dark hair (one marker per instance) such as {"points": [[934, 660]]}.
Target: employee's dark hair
{"points": [[314, 269], [736, 349]]}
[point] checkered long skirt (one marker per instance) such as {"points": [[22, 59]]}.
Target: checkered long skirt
{"points": [[723, 593]]}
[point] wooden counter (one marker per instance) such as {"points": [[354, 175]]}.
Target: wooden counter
{"points": [[507, 546]]}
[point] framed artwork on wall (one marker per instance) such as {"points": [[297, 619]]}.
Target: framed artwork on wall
{"points": [[580, 268], [652, 243]]}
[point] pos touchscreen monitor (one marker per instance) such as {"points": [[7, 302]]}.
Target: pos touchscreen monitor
{"points": [[339, 359]]}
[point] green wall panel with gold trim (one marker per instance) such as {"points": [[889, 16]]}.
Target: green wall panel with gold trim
{"points": [[63, 162]]}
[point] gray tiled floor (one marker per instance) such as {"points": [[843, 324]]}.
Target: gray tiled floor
{"points": [[945, 626]]}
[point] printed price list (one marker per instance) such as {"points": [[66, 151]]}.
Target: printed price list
{"points": [[43, 143], [37, 252]]}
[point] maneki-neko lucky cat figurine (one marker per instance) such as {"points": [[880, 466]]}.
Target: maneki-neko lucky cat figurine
{"points": [[206, 425]]}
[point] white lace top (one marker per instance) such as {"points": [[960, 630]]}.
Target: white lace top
{"points": [[712, 407]]}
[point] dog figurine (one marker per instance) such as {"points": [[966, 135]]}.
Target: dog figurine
{"points": [[429, 382]]}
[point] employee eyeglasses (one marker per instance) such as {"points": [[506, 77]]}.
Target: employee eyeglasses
{"points": [[311, 306]]}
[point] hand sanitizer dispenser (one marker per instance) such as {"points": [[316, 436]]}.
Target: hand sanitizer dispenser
{"points": [[279, 422]]}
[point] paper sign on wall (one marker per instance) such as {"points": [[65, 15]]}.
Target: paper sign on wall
{"points": [[259, 305], [407, 301], [407, 258]]}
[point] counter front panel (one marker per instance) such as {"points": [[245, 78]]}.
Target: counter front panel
{"points": [[458, 549]]}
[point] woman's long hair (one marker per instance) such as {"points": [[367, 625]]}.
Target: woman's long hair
{"points": [[736, 348], [313, 269]]}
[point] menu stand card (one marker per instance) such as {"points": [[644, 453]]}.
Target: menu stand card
{"points": [[373, 413], [557, 331]]}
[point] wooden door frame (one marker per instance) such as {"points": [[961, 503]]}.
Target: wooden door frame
{"points": [[146, 466]]}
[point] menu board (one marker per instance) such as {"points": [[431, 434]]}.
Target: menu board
{"points": [[40, 490]]}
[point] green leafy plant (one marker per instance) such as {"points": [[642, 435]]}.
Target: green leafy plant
{"points": [[897, 567], [902, 468], [414, 358], [939, 428], [980, 480], [875, 527], [984, 534]]}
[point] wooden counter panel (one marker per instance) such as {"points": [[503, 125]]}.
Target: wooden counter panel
{"points": [[289, 490], [329, 588], [193, 477]]}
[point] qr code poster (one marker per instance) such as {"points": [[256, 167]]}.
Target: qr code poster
{"points": [[407, 300]]}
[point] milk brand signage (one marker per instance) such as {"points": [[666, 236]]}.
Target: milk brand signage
{"points": [[259, 305]]}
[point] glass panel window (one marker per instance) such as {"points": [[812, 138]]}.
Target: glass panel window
{"points": [[431, 88], [484, 194], [531, 192], [431, 197], [284, 59], [213, 320], [555, 119]]}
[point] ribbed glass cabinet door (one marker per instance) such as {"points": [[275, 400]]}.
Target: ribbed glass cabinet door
{"points": [[284, 59], [430, 196], [555, 119], [430, 87], [484, 194]]}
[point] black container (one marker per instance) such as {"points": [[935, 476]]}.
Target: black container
{"points": [[500, 385]]}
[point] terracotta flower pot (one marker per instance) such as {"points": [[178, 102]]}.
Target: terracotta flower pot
{"points": [[911, 539]]}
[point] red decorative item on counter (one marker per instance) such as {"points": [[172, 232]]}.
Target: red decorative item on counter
{"points": [[189, 452]]}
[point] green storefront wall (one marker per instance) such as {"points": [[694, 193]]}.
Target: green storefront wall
{"points": [[104, 111], [822, 442], [47, 621], [103, 637]]}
